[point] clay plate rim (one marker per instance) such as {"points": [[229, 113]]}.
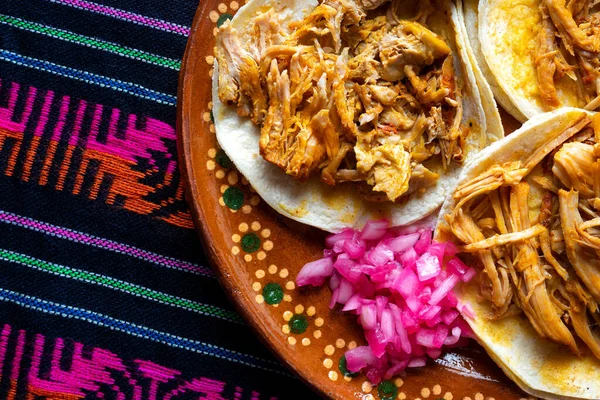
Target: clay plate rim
{"points": [[191, 61], [192, 64]]}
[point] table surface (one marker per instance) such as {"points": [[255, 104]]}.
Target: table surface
{"points": [[105, 292]]}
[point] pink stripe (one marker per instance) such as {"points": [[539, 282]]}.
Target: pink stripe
{"points": [[28, 107], [157, 375], [103, 243], [128, 16], [62, 118], [3, 344], [14, 374], [39, 129], [112, 126], [34, 379], [92, 375], [6, 113], [136, 143], [78, 120], [96, 122]]}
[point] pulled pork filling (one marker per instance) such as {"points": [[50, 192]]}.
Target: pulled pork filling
{"points": [[348, 96], [533, 226], [569, 44]]}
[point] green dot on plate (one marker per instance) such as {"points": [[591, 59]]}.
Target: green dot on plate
{"points": [[223, 18], [250, 242], [233, 198], [222, 159], [343, 366], [272, 293], [298, 324], [387, 390]]}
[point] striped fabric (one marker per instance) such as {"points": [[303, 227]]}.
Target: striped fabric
{"points": [[105, 292]]}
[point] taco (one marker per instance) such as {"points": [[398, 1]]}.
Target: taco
{"points": [[347, 110], [539, 55], [468, 25], [526, 214]]}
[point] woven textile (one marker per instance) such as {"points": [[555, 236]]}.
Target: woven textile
{"points": [[105, 291]]}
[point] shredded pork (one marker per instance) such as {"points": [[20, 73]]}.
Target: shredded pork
{"points": [[570, 30], [349, 94], [533, 226]]}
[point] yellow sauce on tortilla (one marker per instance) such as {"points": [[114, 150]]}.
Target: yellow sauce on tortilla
{"points": [[514, 28], [559, 368], [298, 212]]}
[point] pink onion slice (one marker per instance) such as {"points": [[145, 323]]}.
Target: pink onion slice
{"points": [[400, 287], [417, 362], [344, 235], [374, 230], [428, 267], [402, 243], [359, 357], [354, 248], [314, 273], [407, 283], [442, 290], [424, 241]]}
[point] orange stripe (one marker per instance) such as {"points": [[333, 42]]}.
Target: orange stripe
{"points": [[28, 164], [126, 182], [52, 146], [64, 168]]}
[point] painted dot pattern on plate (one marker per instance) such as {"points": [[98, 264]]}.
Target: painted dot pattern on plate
{"points": [[273, 285], [273, 293]]}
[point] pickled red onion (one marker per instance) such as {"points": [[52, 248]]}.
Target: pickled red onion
{"points": [[401, 289]]}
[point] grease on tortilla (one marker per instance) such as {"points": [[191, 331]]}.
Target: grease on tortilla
{"points": [[299, 211]]}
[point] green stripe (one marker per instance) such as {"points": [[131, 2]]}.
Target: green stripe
{"points": [[91, 42], [116, 284]]}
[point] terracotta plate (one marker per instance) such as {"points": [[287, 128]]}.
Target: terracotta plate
{"points": [[258, 253]]}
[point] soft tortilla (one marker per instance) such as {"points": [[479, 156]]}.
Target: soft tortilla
{"points": [[333, 208], [467, 27], [469, 14], [507, 38], [540, 367]]}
